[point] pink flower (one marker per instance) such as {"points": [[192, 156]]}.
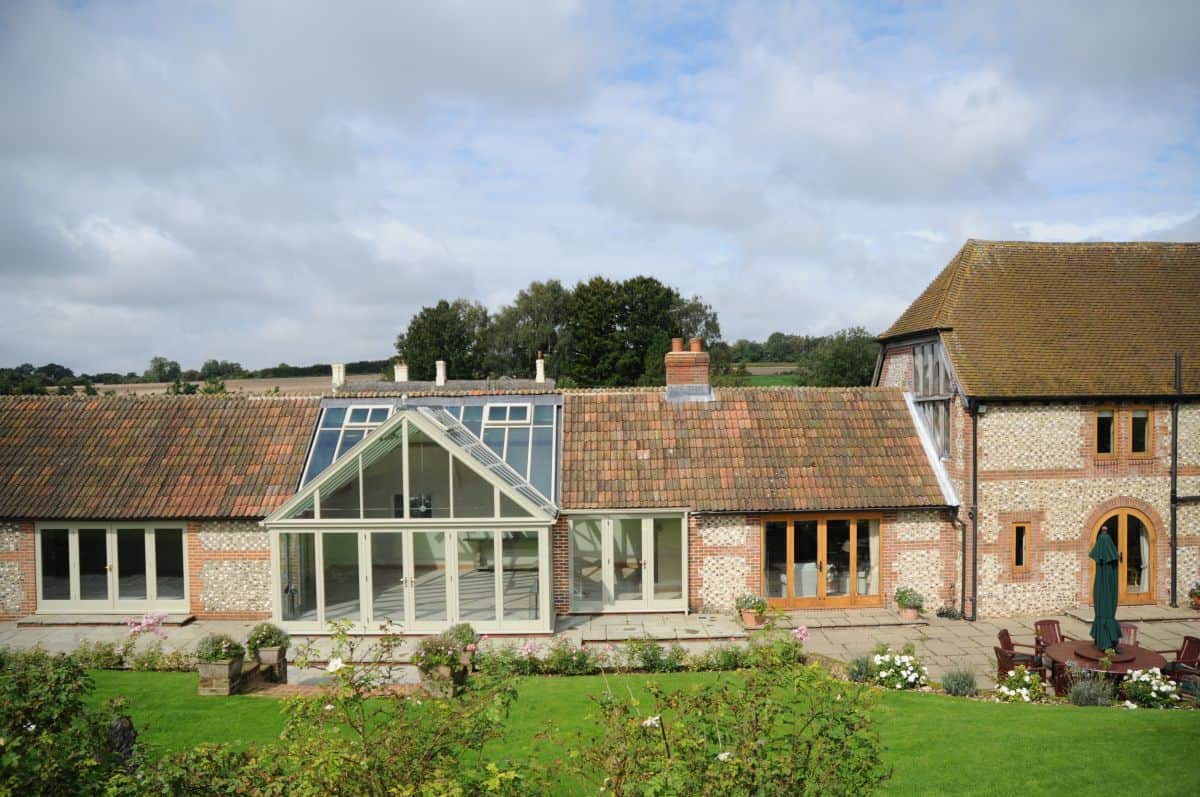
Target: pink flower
{"points": [[800, 632], [471, 647]]}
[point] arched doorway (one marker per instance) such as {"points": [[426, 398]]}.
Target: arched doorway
{"points": [[1133, 534]]}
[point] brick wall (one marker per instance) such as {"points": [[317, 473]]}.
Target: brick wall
{"points": [[560, 564], [724, 560], [921, 549], [897, 368], [18, 570], [229, 570]]}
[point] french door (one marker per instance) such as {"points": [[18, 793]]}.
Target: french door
{"points": [[628, 563], [1133, 535], [111, 568], [419, 580], [821, 561]]}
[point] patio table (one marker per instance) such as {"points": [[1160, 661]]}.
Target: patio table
{"points": [[1085, 656]]}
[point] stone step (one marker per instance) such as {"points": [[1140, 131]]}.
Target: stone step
{"points": [[53, 620]]}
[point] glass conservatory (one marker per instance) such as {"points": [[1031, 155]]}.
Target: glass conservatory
{"points": [[407, 516]]}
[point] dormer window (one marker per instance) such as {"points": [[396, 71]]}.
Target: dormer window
{"points": [[932, 392]]}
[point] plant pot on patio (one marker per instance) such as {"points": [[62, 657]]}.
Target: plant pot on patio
{"points": [[751, 618], [219, 661], [909, 614], [909, 602], [269, 643], [752, 609], [272, 663]]}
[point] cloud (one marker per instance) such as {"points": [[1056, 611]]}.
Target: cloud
{"points": [[291, 181]]}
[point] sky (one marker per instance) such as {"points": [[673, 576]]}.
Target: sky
{"points": [[291, 181]]}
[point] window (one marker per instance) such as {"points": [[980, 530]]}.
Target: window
{"points": [[1139, 432], [932, 392], [1020, 536], [1106, 432], [339, 430]]}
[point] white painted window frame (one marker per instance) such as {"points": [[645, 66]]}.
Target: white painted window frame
{"points": [[608, 520]]}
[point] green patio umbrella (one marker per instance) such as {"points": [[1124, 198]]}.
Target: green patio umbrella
{"points": [[1105, 630]]}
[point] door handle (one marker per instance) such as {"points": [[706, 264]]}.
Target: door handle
{"points": [[1121, 557], [820, 566]]}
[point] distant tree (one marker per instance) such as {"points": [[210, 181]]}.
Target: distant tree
{"points": [[213, 386], [65, 390], [747, 351], [54, 373], [220, 368], [783, 348], [532, 323], [452, 331], [162, 370], [89, 389], [843, 359], [181, 388]]}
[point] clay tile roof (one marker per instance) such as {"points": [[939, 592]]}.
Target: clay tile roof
{"points": [[754, 449], [150, 456], [1062, 320]]}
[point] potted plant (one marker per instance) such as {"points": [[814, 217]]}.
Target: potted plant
{"points": [[1194, 595], [752, 609], [268, 644], [910, 603], [439, 659], [219, 660]]}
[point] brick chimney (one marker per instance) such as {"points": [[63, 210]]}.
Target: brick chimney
{"points": [[687, 367]]}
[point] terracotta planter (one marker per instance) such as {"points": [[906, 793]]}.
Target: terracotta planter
{"points": [[751, 618], [272, 663], [219, 677], [909, 614], [444, 680], [1196, 604]]}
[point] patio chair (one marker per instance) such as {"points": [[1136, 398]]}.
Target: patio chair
{"points": [[1049, 632], [1005, 662], [1186, 662], [1128, 634], [1031, 659]]}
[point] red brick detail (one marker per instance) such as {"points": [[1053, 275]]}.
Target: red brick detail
{"points": [[1035, 546], [26, 558], [560, 564], [687, 367], [197, 556]]}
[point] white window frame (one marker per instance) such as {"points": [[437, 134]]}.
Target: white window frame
{"points": [[113, 604], [647, 603]]}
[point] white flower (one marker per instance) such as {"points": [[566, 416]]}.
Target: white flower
{"points": [[30, 727], [1130, 704], [652, 722], [725, 756], [329, 707], [335, 664]]}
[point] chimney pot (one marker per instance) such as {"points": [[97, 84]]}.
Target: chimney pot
{"points": [[339, 375], [440, 381], [686, 367], [401, 372], [541, 369], [676, 344], [697, 344]]}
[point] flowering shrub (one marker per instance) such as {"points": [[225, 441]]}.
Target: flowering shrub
{"points": [[267, 635], [566, 659], [899, 670], [1021, 686], [219, 647], [510, 660], [149, 623], [1149, 689], [436, 651], [786, 730]]}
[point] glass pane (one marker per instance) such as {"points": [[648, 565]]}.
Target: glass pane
{"points": [[429, 575], [474, 496], [498, 413], [56, 565], [520, 563], [341, 575], [131, 564], [378, 414], [168, 564], [804, 559], [383, 485], [1137, 557], [341, 500], [519, 413], [298, 576], [472, 418], [1104, 432], [627, 559], [668, 558], [494, 439], [349, 438], [430, 477], [1140, 426], [358, 415], [543, 415], [477, 575], [541, 468], [867, 562], [323, 452], [518, 450], [333, 418], [93, 564], [510, 508], [587, 578], [387, 576], [775, 560], [1019, 546], [837, 556]]}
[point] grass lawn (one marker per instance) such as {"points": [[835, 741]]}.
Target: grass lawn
{"points": [[936, 744], [771, 380]]}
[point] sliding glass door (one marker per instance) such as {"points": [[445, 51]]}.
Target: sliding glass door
{"points": [[628, 563], [821, 561], [91, 568], [418, 580]]}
